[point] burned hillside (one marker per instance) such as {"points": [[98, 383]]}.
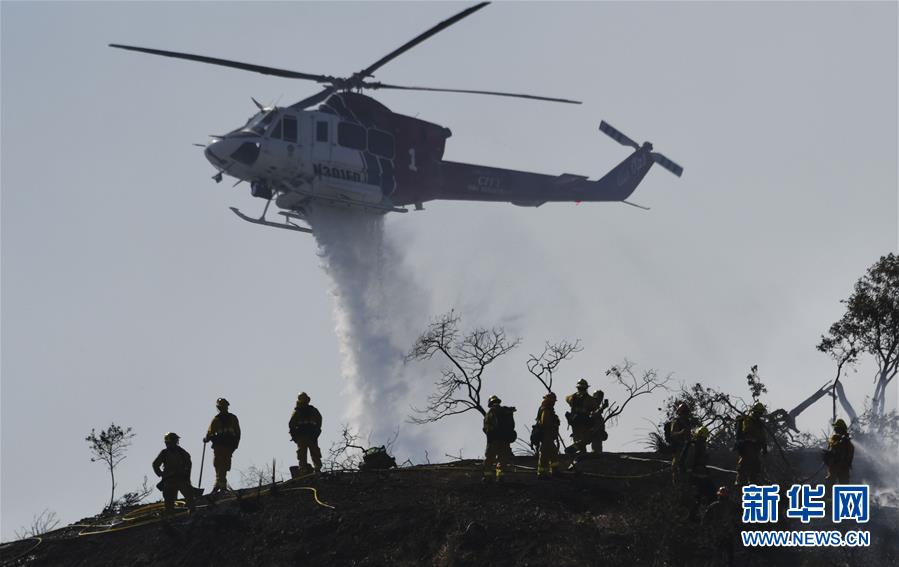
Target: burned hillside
{"points": [[617, 509]]}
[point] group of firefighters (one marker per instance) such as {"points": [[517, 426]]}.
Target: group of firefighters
{"points": [[686, 439], [173, 463], [693, 486]]}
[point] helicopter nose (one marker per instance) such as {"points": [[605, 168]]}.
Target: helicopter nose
{"points": [[218, 150], [222, 152]]}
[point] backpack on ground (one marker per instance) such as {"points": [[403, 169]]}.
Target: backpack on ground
{"points": [[377, 459]]}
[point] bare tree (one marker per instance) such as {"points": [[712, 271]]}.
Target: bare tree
{"points": [[40, 524], [346, 453], [254, 476], [634, 386], [135, 497], [543, 366], [458, 390], [109, 447]]}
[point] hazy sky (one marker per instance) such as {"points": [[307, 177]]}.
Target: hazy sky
{"points": [[131, 294]]}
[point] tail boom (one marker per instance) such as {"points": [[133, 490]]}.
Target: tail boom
{"points": [[468, 182]]}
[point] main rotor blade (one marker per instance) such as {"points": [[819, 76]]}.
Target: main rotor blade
{"points": [[418, 39], [314, 99], [227, 63], [376, 86]]}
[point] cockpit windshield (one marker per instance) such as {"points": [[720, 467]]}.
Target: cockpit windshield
{"points": [[258, 123]]}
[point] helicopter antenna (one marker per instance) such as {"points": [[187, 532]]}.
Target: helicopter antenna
{"points": [[357, 80]]}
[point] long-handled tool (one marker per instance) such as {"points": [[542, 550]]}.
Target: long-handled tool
{"points": [[202, 462]]}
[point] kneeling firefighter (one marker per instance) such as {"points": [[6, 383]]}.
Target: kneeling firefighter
{"points": [[173, 465]]}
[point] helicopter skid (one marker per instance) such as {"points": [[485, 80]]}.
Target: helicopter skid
{"points": [[287, 225]]}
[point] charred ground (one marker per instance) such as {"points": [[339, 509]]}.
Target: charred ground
{"points": [[616, 510]]}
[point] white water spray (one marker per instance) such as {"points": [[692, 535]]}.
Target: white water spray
{"points": [[880, 470], [378, 312]]}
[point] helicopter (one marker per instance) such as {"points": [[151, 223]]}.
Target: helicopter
{"points": [[352, 151]]}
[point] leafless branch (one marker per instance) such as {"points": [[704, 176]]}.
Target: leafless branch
{"points": [[635, 386], [254, 476], [523, 448], [346, 453], [459, 388], [40, 524], [458, 457], [543, 366]]}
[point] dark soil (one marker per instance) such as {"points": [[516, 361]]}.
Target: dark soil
{"points": [[444, 515]]}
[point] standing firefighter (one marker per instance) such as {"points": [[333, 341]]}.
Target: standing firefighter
{"points": [[678, 436], [581, 416], [545, 435], [499, 426], [752, 443], [173, 465], [700, 490], [721, 524], [598, 433], [224, 432], [305, 427], [839, 453]]}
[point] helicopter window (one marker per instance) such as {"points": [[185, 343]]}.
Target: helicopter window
{"points": [[351, 135], [321, 131], [289, 124], [380, 143], [259, 124], [276, 131]]}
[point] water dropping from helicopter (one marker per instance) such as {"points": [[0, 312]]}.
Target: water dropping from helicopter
{"points": [[376, 303]]}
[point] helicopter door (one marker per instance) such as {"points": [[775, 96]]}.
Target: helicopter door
{"points": [[321, 139], [284, 144]]}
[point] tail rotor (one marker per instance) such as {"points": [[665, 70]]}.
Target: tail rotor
{"points": [[622, 139]]}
